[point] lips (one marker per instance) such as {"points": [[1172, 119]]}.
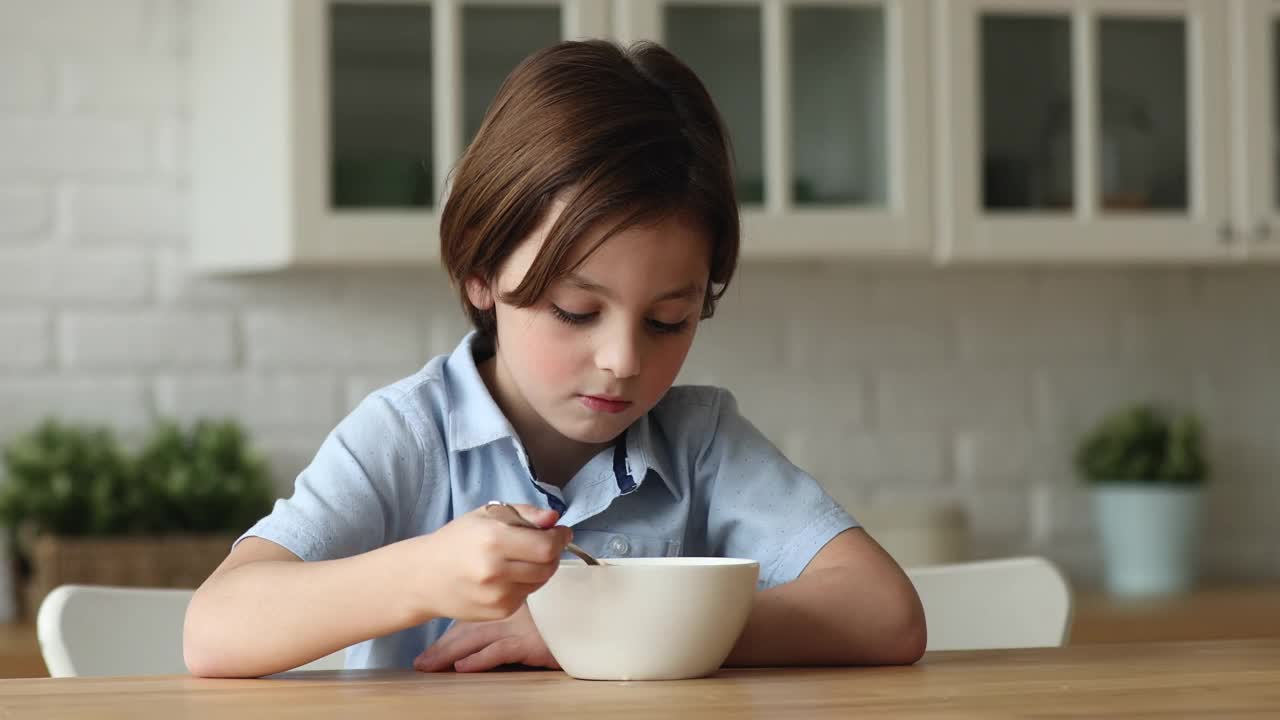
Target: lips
{"points": [[605, 403]]}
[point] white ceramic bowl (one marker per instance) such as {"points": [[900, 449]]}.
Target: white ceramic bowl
{"points": [[644, 618]]}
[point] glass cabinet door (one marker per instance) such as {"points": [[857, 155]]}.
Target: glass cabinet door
{"points": [[495, 38], [1142, 152], [1027, 111], [380, 105], [388, 93], [479, 43], [411, 80], [839, 102], [826, 104], [723, 44], [1256, 149], [1028, 108], [329, 127], [1090, 130]]}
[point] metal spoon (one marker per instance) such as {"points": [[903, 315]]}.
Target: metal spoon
{"points": [[521, 521]]}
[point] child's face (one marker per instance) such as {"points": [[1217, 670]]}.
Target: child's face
{"points": [[603, 344]]}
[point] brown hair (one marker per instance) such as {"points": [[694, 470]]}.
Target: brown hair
{"points": [[628, 136]]}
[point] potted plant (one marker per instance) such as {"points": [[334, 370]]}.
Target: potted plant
{"points": [[1147, 470], [80, 509]]}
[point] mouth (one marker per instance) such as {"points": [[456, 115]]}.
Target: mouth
{"points": [[604, 403]]}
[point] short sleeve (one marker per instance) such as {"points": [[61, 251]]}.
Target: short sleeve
{"points": [[360, 492], [761, 506]]}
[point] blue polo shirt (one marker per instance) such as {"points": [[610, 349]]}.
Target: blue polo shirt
{"points": [[692, 477]]}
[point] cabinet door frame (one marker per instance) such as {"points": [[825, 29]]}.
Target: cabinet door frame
{"points": [[325, 235], [779, 228], [1254, 130], [388, 236], [968, 233]]}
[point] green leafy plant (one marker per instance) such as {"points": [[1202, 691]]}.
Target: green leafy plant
{"points": [[72, 480], [204, 480], [68, 480], [1143, 444]]}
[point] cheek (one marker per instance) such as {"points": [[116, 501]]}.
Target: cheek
{"points": [[667, 363], [550, 353]]}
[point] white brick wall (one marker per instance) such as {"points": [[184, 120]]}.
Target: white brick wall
{"points": [[262, 402], [25, 82], [333, 337], [112, 211], [146, 340], [66, 275], [75, 27], [52, 146], [136, 84], [995, 459], [26, 340], [953, 397], [26, 399], [25, 210], [884, 381]]}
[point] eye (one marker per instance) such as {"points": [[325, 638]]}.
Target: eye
{"points": [[668, 328], [569, 318]]}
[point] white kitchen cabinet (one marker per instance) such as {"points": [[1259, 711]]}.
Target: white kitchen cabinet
{"points": [[323, 131], [827, 105], [1084, 130], [1256, 133]]}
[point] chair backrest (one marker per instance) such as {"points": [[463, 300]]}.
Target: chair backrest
{"points": [[1008, 603], [88, 630]]}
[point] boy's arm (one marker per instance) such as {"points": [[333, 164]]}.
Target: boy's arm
{"points": [[852, 605], [264, 610]]}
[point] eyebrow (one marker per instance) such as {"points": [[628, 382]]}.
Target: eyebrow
{"points": [[692, 291]]}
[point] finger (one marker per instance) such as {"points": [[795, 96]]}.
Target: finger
{"points": [[521, 514], [463, 638], [458, 642], [533, 546], [503, 651], [532, 574], [541, 517]]}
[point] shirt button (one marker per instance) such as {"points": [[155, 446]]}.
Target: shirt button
{"points": [[619, 546]]}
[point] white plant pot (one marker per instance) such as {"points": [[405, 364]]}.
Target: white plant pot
{"points": [[1150, 535]]}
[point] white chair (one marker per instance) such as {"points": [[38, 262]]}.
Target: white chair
{"points": [[88, 630], [1009, 603]]}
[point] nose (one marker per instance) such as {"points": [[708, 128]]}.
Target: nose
{"points": [[619, 353]]}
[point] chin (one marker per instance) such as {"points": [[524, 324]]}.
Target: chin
{"points": [[594, 433]]}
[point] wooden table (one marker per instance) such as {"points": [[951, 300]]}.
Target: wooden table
{"points": [[1210, 613], [1215, 679]]}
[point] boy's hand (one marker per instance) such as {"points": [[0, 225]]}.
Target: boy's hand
{"points": [[476, 647], [482, 566]]}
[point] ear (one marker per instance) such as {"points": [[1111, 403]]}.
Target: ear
{"points": [[479, 293]]}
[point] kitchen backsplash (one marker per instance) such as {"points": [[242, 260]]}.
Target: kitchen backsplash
{"points": [[887, 382]]}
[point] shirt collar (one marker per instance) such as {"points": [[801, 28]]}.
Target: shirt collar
{"points": [[644, 456], [475, 418]]}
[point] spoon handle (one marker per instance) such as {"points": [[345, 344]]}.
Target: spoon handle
{"points": [[521, 521], [586, 556]]}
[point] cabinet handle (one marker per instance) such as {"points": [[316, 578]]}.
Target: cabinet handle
{"points": [[1226, 234], [1262, 231]]}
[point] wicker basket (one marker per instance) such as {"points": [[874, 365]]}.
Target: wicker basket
{"points": [[169, 561]]}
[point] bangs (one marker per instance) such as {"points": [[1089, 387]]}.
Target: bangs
{"points": [[586, 219]]}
